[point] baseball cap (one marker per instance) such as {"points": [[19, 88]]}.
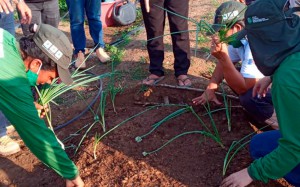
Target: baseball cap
{"points": [[228, 13], [55, 44]]}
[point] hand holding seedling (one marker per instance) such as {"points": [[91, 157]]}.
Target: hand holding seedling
{"points": [[261, 87], [238, 179], [41, 109], [218, 49]]}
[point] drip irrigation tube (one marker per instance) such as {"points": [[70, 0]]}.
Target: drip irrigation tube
{"points": [[84, 111], [114, 43]]}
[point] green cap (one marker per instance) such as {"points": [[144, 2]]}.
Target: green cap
{"points": [[228, 13], [56, 45]]}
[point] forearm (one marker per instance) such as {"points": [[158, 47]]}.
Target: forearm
{"points": [[232, 76], [22, 113], [216, 78]]}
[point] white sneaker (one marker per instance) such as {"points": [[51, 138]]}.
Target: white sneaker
{"points": [[8, 146]]}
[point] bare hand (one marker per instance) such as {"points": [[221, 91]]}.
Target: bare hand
{"points": [[261, 87], [5, 6], [218, 49], [42, 109], [77, 182], [208, 95], [147, 6], [25, 12], [238, 179]]}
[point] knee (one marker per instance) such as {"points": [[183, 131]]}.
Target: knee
{"points": [[254, 147]]}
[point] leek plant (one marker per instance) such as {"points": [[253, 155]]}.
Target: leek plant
{"points": [[235, 147], [213, 134]]}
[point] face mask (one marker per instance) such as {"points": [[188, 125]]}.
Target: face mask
{"points": [[32, 77], [235, 43]]}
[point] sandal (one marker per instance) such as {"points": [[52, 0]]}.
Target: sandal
{"points": [[150, 81], [184, 81]]}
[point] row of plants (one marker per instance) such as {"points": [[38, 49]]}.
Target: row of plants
{"points": [[113, 88]]}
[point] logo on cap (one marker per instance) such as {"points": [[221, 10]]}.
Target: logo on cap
{"points": [[52, 49], [230, 15]]}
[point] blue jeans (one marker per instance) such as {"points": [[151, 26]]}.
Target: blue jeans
{"points": [[3, 123], [264, 143], [77, 10], [260, 109], [7, 22]]}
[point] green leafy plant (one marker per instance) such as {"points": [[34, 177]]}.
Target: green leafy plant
{"points": [[213, 134], [235, 147]]}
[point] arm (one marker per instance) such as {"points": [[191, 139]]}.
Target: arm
{"points": [[209, 94], [232, 76]]}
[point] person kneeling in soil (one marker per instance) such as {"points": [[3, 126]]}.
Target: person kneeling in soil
{"points": [[36, 59], [259, 109]]}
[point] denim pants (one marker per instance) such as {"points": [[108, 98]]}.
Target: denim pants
{"points": [[264, 143], [155, 25], [3, 123], [77, 10], [44, 12], [260, 109], [8, 24]]}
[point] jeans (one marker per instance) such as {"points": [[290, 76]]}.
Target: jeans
{"points": [[3, 123], [44, 12], [77, 10], [264, 143], [7, 22], [260, 109], [155, 24]]}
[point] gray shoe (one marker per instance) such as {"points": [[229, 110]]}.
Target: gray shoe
{"points": [[8, 146]]}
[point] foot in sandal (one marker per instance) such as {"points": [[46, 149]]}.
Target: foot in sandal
{"points": [[184, 81], [152, 80]]}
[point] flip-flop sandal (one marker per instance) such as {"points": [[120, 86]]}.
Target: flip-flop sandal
{"points": [[183, 81], [155, 80]]}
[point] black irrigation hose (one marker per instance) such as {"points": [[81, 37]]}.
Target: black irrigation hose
{"points": [[116, 42], [84, 111]]}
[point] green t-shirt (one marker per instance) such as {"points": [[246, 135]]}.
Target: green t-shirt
{"points": [[286, 100], [16, 102]]}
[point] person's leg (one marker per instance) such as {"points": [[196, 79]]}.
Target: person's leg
{"points": [[76, 12], [93, 13], [260, 109], [50, 14], [7, 145], [264, 143], [180, 41], [7, 22], [36, 9], [154, 24], [3, 124]]}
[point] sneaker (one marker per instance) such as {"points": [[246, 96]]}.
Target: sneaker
{"points": [[10, 129], [102, 55], [80, 61], [8, 146]]}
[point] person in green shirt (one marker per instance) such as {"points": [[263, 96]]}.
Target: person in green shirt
{"points": [[36, 59], [276, 50]]}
